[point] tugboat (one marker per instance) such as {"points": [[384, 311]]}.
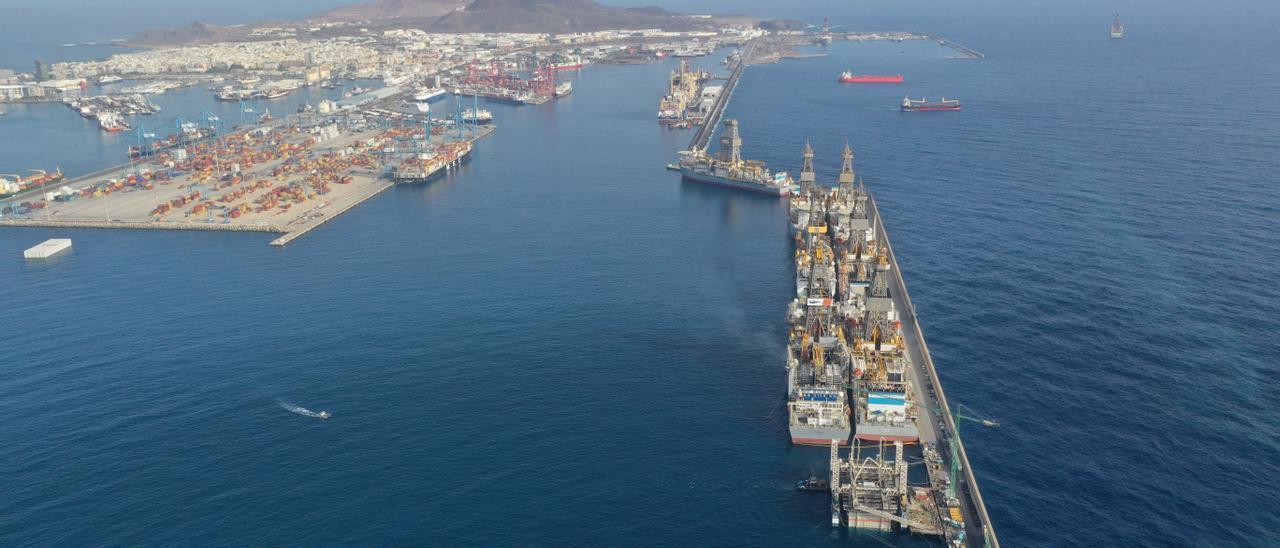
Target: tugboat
{"points": [[813, 483]]}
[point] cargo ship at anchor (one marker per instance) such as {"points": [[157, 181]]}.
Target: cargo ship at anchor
{"points": [[728, 169], [910, 105], [848, 77]]}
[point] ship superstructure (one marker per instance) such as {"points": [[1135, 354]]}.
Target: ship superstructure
{"points": [[817, 353]]}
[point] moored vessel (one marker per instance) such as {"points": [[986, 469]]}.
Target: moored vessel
{"points": [[477, 116], [429, 95], [111, 122], [429, 164], [567, 62], [729, 170]]}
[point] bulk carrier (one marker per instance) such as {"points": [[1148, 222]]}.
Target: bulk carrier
{"points": [[912, 105]]}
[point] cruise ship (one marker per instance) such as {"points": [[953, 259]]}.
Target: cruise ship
{"points": [[728, 169], [429, 95]]}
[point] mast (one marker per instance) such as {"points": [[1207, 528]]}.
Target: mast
{"points": [[807, 177], [846, 170], [731, 144]]}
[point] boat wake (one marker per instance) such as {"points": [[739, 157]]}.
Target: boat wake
{"points": [[304, 411]]}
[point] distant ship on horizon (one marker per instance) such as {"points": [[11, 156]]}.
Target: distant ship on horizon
{"points": [[1117, 30]]}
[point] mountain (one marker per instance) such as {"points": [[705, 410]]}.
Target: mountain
{"points": [[536, 16], [560, 16], [391, 9], [195, 32]]}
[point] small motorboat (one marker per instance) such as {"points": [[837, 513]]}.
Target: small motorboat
{"points": [[813, 483]]}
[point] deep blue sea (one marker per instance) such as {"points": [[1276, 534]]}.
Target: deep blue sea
{"points": [[561, 344]]}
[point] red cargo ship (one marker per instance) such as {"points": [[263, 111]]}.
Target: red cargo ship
{"points": [[848, 77]]}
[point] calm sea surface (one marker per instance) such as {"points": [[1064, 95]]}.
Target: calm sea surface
{"points": [[563, 344]]}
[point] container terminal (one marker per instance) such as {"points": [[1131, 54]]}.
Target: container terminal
{"points": [[283, 176]]}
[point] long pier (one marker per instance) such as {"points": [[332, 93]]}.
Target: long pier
{"points": [[965, 52], [979, 531], [708, 128]]}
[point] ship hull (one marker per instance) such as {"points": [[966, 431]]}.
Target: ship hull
{"points": [[927, 109], [878, 433], [872, 80], [818, 436], [730, 183], [568, 67], [505, 100]]}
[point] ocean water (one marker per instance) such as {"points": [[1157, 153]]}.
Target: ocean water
{"points": [[563, 344]]}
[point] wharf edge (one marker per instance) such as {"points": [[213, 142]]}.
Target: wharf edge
{"points": [[968, 493]]}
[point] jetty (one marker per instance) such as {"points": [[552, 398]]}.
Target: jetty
{"points": [[702, 137], [966, 53]]}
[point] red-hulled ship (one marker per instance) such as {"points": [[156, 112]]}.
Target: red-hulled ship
{"points": [[909, 104], [848, 77], [571, 62]]}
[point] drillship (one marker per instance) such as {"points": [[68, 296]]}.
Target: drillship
{"points": [[817, 354], [883, 403], [1117, 30], [728, 169]]}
